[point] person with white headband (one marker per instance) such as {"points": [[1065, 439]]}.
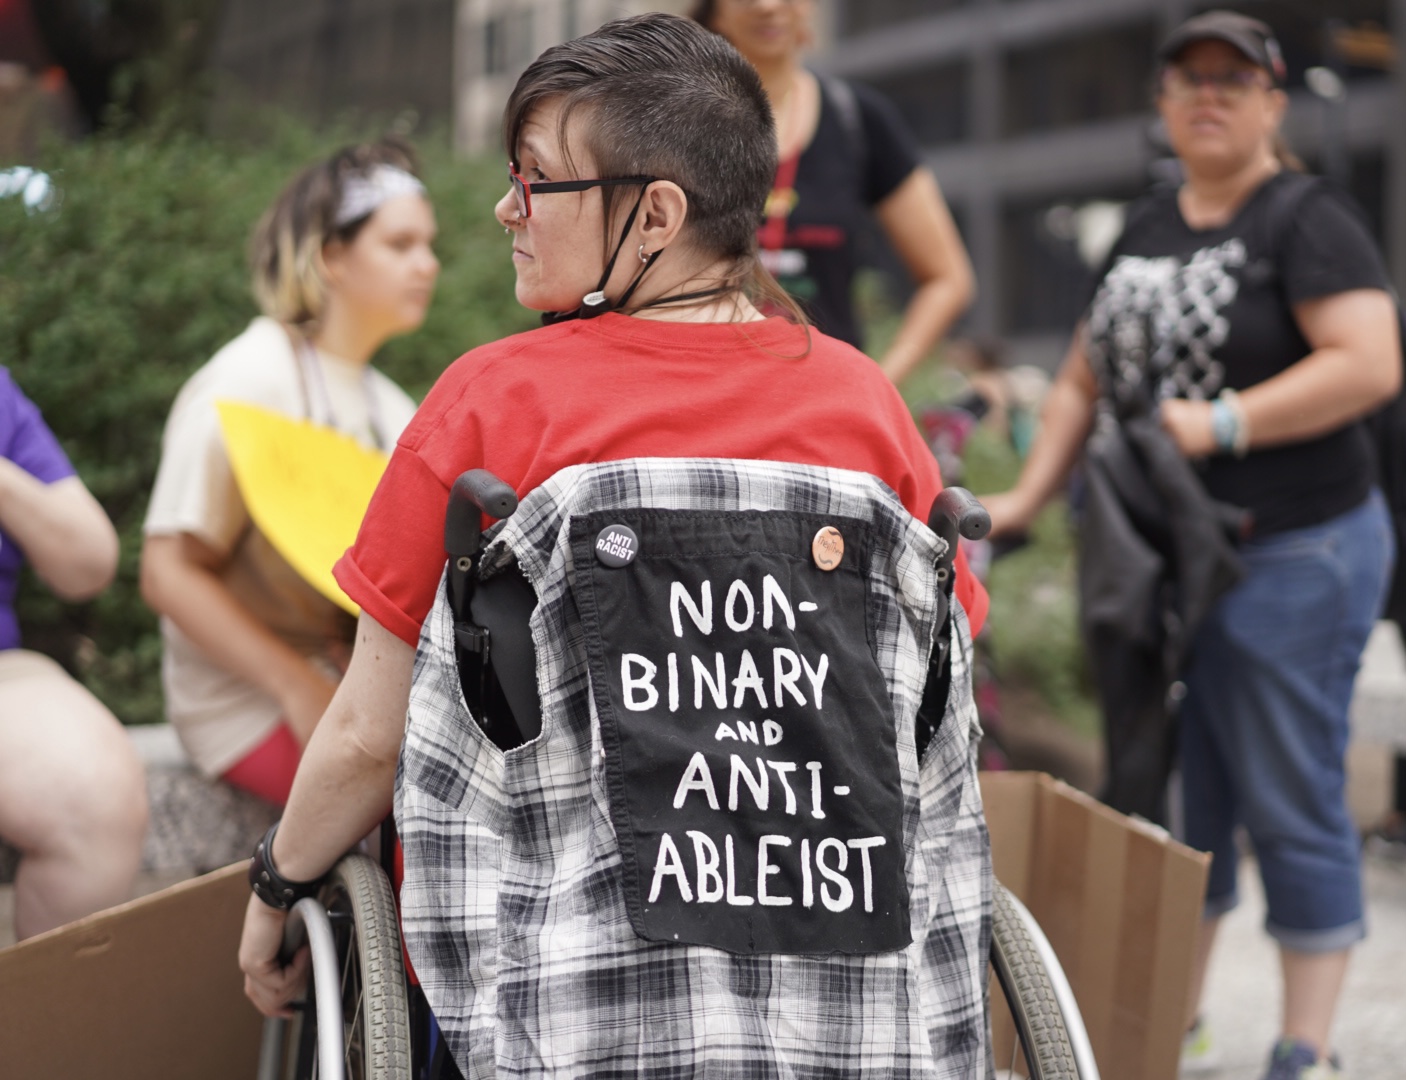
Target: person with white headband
{"points": [[342, 261]]}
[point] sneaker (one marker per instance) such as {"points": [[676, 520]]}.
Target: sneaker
{"points": [[1293, 1060], [1198, 1053]]}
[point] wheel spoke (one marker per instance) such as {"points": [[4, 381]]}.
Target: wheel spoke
{"points": [[356, 1036], [348, 963]]}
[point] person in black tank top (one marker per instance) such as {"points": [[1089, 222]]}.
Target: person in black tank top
{"points": [[844, 153]]}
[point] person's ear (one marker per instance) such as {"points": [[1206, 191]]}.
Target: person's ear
{"points": [[333, 257], [1278, 106], [662, 214]]}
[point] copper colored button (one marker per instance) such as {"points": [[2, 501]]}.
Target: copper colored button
{"points": [[828, 548]]}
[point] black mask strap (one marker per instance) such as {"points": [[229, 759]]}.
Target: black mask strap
{"points": [[619, 305]]}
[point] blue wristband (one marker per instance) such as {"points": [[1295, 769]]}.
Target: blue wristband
{"points": [[1225, 425]]}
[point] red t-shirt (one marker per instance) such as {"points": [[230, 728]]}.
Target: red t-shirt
{"points": [[618, 387]]}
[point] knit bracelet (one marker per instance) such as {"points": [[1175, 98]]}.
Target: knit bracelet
{"points": [[1240, 436], [1224, 426], [269, 885]]}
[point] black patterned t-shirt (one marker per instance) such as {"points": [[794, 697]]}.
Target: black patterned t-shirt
{"points": [[1182, 312]]}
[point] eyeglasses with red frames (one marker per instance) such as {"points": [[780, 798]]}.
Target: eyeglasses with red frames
{"points": [[525, 189]]}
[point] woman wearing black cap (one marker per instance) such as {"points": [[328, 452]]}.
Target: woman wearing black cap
{"points": [[1252, 307]]}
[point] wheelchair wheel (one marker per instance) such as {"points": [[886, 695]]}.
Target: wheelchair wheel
{"points": [[376, 1019], [1049, 1032]]}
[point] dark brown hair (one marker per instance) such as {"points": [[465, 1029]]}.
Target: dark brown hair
{"points": [[703, 11], [285, 251], [661, 96]]}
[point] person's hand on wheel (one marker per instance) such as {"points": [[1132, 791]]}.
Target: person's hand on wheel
{"points": [[269, 984]]}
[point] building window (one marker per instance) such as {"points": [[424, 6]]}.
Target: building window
{"points": [[507, 42], [1102, 76], [862, 16], [495, 41], [933, 102]]}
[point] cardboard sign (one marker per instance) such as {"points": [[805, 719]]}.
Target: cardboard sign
{"points": [[148, 989], [1120, 902], [748, 735]]}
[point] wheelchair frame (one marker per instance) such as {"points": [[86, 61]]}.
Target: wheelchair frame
{"points": [[363, 1031]]}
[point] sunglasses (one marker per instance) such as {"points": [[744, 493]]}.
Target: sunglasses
{"points": [[524, 190], [1181, 84]]}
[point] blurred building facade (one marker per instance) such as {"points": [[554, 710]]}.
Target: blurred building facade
{"points": [[326, 58], [1036, 117], [1035, 114], [495, 39]]}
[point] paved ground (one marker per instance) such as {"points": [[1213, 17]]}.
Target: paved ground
{"points": [[1242, 1003]]}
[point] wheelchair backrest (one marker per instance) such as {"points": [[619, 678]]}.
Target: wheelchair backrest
{"points": [[725, 809]]}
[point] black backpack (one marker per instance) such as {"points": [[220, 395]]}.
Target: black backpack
{"points": [[1386, 428]]}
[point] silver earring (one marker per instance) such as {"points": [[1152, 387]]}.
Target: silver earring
{"points": [[507, 231], [643, 257]]}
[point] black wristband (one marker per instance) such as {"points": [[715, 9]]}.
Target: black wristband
{"points": [[269, 885]]}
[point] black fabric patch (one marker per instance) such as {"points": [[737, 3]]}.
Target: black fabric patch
{"points": [[749, 737]]}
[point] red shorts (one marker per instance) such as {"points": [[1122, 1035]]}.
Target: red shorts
{"points": [[267, 771]]}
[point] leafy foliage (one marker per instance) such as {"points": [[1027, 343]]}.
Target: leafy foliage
{"points": [[110, 302], [1034, 618]]}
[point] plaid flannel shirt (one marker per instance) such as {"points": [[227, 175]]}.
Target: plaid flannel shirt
{"points": [[512, 904]]}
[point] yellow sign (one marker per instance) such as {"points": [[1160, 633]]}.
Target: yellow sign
{"points": [[306, 487]]}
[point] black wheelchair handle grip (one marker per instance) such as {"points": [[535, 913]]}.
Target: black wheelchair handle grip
{"points": [[475, 493], [957, 511]]}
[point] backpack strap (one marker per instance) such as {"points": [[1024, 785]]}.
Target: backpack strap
{"points": [[841, 95], [1283, 202]]}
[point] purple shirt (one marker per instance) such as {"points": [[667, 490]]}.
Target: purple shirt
{"points": [[27, 441]]}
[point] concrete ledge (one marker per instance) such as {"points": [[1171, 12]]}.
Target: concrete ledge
{"points": [[196, 824]]}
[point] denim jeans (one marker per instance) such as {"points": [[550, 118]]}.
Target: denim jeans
{"points": [[1264, 723]]}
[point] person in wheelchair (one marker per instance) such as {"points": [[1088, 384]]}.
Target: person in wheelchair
{"points": [[641, 157]]}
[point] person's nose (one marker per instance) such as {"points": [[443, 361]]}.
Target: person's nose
{"points": [[1206, 91], [506, 210]]}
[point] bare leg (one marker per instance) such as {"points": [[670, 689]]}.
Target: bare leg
{"points": [[1312, 983], [72, 796], [1205, 941]]}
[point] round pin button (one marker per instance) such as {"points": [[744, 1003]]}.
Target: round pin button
{"points": [[617, 545], [828, 548]]}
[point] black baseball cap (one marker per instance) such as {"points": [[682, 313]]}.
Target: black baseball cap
{"points": [[1250, 36]]}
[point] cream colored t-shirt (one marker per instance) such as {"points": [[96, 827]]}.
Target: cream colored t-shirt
{"points": [[220, 717]]}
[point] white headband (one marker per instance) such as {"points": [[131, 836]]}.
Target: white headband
{"points": [[361, 195]]}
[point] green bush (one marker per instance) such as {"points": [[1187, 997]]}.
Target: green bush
{"points": [[108, 303]]}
